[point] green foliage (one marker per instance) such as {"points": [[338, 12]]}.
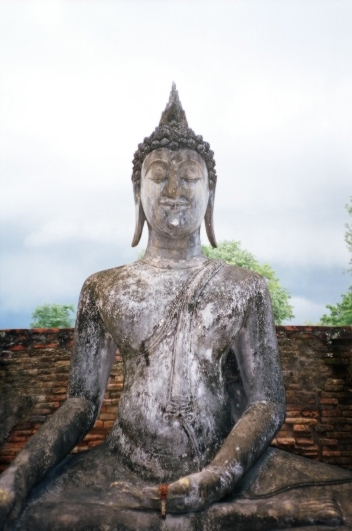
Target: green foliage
{"points": [[53, 316], [231, 252], [341, 314]]}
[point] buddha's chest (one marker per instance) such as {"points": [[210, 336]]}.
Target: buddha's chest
{"points": [[151, 307]]}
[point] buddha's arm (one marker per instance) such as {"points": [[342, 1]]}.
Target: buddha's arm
{"points": [[90, 367], [258, 359]]}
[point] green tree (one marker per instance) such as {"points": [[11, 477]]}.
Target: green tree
{"points": [[341, 313], [53, 316], [231, 252]]}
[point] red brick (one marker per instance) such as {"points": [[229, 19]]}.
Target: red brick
{"points": [[282, 433], [285, 441], [331, 413], [43, 346], [16, 438], [93, 437], [83, 447], [23, 433], [58, 390], [9, 445], [115, 387], [91, 444], [111, 409], [305, 448], [327, 442], [291, 407], [310, 414], [115, 395], [10, 452], [62, 363], [304, 441], [340, 435], [301, 428], [331, 453], [328, 387], [58, 397], [300, 420], [338, 395], [15, 348], [106, 416]]}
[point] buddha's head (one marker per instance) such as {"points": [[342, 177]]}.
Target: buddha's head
{"points": [[174, 178]]}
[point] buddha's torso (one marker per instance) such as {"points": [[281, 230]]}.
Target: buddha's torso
{"points": [[174, 412]]}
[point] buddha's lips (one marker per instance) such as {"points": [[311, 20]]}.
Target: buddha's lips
{"points": [[174, 203]]}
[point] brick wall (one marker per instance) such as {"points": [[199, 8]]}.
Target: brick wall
{"points": [[36, 363], [316, 362], [317, 368]]}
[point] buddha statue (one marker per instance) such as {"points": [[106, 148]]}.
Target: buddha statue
{"points": [[189, 449]]}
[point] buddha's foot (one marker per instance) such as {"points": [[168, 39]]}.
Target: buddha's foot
{"points": [[285, 513], [323, 512], [297, 512]]}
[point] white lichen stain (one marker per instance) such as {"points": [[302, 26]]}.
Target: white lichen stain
{"points": [[207, 315], [208, 354]]}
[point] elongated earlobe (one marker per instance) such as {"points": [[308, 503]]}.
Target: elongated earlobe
{"points": [[140, 217], [208, 219]]}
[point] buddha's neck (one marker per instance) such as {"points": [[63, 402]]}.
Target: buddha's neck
{"points": [[165, 252]]}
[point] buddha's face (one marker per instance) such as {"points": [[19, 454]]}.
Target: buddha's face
{"points": [[174, 191]]}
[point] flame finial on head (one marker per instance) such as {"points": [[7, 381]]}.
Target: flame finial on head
{"points": [[173, 110]]}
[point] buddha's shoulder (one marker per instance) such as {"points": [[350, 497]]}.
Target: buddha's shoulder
{"points": [[107, 277], [239, 277]]}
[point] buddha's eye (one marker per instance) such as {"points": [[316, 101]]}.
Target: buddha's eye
{"points": [[158, 173], [190, 174]]}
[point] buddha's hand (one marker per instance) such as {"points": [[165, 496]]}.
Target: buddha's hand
{"points": [[190, 493], [194, 492], [7, 500]]}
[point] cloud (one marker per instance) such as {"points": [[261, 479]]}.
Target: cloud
{"points": [[306, 311], [267, 84], [59, 231]]}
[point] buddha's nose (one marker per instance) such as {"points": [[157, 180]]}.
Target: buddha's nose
{"points": [[172, 187]]}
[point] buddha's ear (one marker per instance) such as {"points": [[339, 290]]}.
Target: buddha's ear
{"points": [[140, 216], [208, 218]]}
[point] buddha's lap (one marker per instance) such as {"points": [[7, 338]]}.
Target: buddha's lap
{"points": [[79, 495], [98, 476]]}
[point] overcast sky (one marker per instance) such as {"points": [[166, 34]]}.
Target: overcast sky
{"points": [[267, 83]]}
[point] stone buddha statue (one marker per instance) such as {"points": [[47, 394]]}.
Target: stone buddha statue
{"points": [[189, 448]]}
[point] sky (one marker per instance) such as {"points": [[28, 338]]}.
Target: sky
{"points": [[267, 83]]}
